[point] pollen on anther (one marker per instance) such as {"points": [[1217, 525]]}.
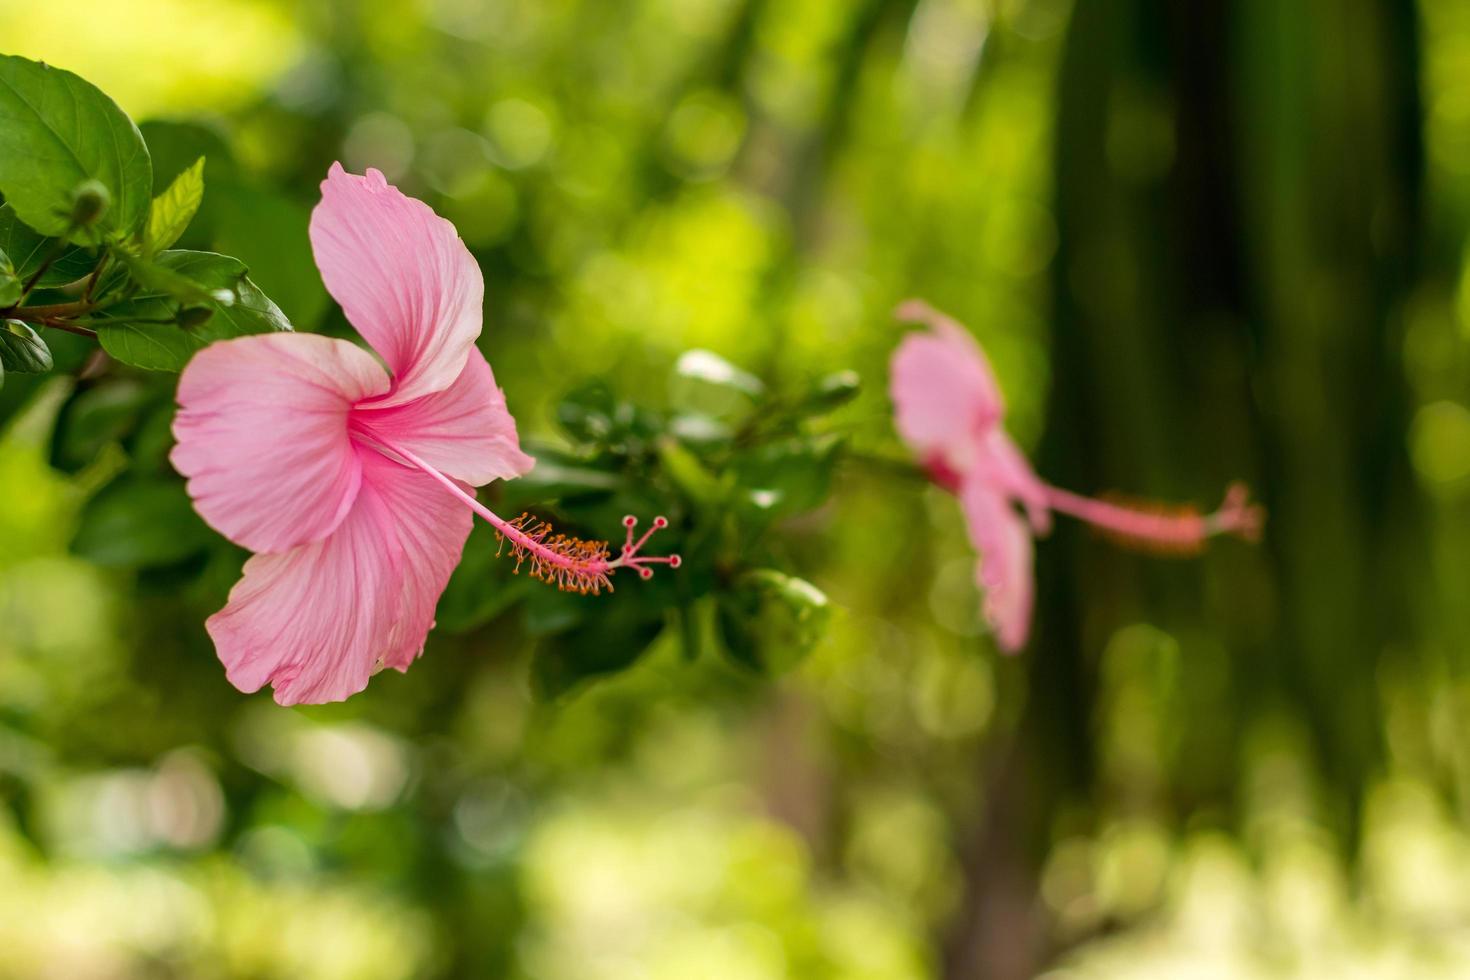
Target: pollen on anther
{"points": [[571, 564]]}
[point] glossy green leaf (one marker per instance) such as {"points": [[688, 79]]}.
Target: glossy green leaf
{"points": [[57, 132], [167, 346], [28, 251], [22, 351], [706, 384], [139, 523], [770, 620], [152, 346], [163, 279], [172, 210]]}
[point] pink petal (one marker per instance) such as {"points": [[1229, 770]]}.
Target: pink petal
{"points": [[463, 431], [1003, 571], [1000, 463], [318, 621], [402, 276], [943, 391], [262, 435]]}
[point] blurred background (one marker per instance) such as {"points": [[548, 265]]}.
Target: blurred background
{"points": [[1200, 241]]}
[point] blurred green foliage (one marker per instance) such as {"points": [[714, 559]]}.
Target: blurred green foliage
{"points": [[1199, 241]]}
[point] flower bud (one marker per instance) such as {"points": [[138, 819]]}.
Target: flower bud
{"points": [[89, 202]]}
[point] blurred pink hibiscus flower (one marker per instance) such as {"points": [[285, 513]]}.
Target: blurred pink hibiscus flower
{"points": [[949, 410], [352, 483]]}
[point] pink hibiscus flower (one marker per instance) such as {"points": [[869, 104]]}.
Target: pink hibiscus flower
{"points": [[949, 410], [353, 484]]}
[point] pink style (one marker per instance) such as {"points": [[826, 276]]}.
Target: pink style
{"points": [[353, 484], [949, 410]]}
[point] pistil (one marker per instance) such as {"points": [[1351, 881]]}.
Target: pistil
{"points": [[569, 563], [1181, 530]]}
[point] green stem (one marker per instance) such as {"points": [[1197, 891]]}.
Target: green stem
{"points": [[57, 248], [40, 314], [96, 275], [67, 327]]}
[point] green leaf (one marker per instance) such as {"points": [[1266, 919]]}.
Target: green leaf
{"points": [[172, 210], [790, 476], [93, 416], [57, 132], [689, 474], [770, 620], [22, 350], [482, 586], [168, 346], [268, 232], [28, 250], [163, 280], [151, 346], [831, 392], [260, 226], [557, 476], [707, 384], [68, 352], [586, 412], [140, 523], [609, 642], [10, 285]]}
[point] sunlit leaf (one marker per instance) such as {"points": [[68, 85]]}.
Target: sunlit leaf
{"points": [[57, 132], [172, 210], [705, 383]]}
